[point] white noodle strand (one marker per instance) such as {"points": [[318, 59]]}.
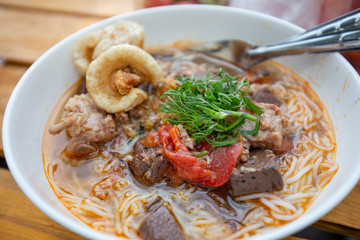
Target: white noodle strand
{"points": [[244, 230]]}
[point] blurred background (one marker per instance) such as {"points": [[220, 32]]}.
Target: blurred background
{"points": [[29, 27]]}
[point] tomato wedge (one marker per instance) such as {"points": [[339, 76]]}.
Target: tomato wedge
{"points": [[189, 167]]}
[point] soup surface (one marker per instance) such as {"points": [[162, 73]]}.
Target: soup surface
{"points": [[148, 172]]}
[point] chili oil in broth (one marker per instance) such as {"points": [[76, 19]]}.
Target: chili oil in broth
{"points": [[102, 191]]}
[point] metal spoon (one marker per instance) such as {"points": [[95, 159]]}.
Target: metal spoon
{"points": [[340, 34]]}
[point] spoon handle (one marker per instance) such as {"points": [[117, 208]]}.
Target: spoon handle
{"points": [[340, 34], [347, 22], [344, 41]]}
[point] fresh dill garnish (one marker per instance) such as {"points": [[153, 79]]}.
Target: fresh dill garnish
{"points": [[209, 108], [200, 154]]}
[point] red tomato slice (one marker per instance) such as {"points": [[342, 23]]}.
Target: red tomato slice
{"points": [[189, 167], [186, 165], [222, 163]]}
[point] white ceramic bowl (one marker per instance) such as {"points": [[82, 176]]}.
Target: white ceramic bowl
{"points": [[31, 102]]}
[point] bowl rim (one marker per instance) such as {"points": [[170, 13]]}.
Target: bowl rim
{"points": [[83, 229]]}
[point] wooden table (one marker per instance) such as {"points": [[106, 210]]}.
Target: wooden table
{"points": [[27, 30]]}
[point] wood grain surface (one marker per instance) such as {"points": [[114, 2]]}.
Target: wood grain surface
{"points": [[9, 76], [20, 219], [35, 31], [28, 29], [103, 8]]}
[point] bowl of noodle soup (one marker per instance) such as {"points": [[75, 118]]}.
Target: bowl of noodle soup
{"points": [[316, 178]]}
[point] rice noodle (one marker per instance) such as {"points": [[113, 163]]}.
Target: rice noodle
{"points": [[287, 217], [244, 230], [298, 175], [294, 161], [309, 156], [256, 196], [284, 204]]}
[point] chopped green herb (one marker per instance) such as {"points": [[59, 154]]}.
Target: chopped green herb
{"points": [[201, 154], [209, 108]]}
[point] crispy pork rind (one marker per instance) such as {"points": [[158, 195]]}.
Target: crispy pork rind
{"points": [[83, 50], [112, 78], [90, 46], [120, 33]]}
